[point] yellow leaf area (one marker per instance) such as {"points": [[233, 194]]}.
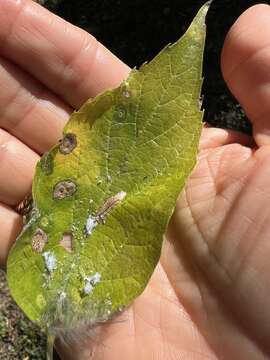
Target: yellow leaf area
{"points": [[104, 195]]}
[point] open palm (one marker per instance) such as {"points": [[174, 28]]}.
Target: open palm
{"points": [[208, 297]]}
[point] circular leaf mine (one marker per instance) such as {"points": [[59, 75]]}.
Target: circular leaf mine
{"points": [[64, 189], [39, 240], [68, 143]]}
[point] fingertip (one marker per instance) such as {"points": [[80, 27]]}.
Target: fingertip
{"points": [[63, 57], [245, 65], [250, 32], [215, 137], [112, 68], [107, 71]]}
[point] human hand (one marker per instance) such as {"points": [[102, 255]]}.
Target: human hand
{"points": [[208, 295]]}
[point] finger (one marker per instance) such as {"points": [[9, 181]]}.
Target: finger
{"points": [[28, 110], [65, 58], [246, 64], [17, 165], [214, 137], [11, 225]]}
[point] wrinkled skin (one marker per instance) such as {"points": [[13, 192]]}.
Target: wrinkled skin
{"points": [[208, 297]]}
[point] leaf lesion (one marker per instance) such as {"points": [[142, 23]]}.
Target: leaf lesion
{"points": [[67, 241]]}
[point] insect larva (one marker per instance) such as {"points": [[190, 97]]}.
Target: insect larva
{"points": [[109, 204]]}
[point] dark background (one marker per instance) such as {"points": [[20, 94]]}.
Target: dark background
{"points": [[136, 31]]}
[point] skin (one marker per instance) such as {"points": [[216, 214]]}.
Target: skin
{"points": [[208, 297]]}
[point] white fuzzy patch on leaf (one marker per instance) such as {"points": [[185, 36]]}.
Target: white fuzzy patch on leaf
{"points": [[91, 223], [90, 282], [50, 261]]}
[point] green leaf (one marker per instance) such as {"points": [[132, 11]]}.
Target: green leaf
{"points": [[104, 195]]}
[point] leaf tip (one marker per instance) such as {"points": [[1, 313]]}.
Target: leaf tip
{"points": [[204, 9]]}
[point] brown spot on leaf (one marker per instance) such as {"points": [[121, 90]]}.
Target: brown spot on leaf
{"points": [[46, 163], [121, 112], [67, 241], [64, 189], [68, 143], [126, 93], [39, 240]]}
